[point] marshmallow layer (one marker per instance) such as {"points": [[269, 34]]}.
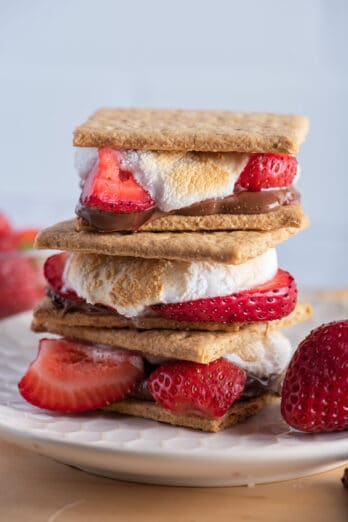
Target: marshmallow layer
{"points": [[175, 179], [130, 285]]}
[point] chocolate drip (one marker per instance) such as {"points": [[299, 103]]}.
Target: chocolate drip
{"points": [[243, 202]]}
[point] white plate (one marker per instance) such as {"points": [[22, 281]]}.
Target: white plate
{"points": [[262, 449]]}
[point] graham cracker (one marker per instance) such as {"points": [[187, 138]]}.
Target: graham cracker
{"points": [[47, 312], [223, 247], [189, 130], [285, 216], [239, 412], [192, 345]]}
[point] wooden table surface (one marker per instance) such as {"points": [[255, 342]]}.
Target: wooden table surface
{"points": [[37, 489]]}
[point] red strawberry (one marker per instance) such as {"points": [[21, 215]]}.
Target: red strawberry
{"points": [[53, 272], [274, 299], [70, 376], [7, 238], [25, 238], [8, 243], [315, 389], [111, 189], [21, 283], [5, 226], [268, 170], [203, 389]]}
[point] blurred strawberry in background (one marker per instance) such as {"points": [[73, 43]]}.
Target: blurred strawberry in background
{"points": [[21, 281]]}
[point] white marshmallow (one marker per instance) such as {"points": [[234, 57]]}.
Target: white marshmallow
{"points": [[271, 356], [176, 180], [131, 284], [84, 161]]}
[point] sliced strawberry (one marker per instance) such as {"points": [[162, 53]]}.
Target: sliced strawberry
{"points": [[268, 170], [272, 300], [21, 283], [70, 376], [203, 389], [111, 189], [315, 389], [25, 238], [5, 226], [53, 272]]}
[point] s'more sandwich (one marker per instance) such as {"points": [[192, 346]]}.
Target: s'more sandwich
{"points": [[174, 170], [179, 323]]}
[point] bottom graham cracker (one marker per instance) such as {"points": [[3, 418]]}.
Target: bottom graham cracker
{"points": [[239, 412]]}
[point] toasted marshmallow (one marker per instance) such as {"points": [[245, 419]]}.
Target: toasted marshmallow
{"points": [[266, 357], [178, 179], [129, 285], [175, 179]]}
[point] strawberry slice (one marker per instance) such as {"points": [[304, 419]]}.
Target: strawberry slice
{"points": [[71, 377], [21, 283], [203, 389], [111, 189], [272, 300], [53, 272], [269, 170]]}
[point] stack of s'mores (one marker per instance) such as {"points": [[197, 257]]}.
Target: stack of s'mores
{"points": [[167, 295]]}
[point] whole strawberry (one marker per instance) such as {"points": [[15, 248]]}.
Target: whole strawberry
{"points": [[21, 283], [315, 389], [203, 389]]}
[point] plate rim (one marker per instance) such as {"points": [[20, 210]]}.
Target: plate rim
{"points": [[332, 448]]}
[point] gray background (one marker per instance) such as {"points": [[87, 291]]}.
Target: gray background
{"points": [[60, 60]]}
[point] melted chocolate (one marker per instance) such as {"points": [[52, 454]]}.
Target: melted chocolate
{"points": [[243, 202], [78, 305]]}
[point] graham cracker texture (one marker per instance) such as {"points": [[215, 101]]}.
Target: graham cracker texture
{"points": [[239, 412], [47, 312], [223, 247], [192, 345], [188, 130], [286, 216]]}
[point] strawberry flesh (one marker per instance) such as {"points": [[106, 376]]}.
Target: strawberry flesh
{"points": [[272, 300], [266, 171], [53, 272], [71, 377], [111, 189], [315, 388], [201, 389]]}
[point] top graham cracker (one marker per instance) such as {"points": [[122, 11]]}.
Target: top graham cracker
{"points": [[188, 130]]}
